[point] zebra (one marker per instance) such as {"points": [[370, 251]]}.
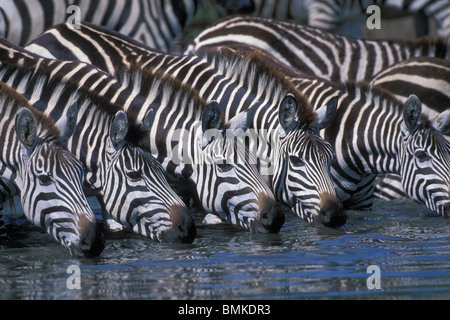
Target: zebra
{"points": [[375, 133], [347, 16], [36, 164], [429, 79], [129, 183], [119, 52], [199, 149], [314, 51], [155, 23], [236, 191]]}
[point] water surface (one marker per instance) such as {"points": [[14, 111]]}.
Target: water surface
{"points": [[410, 247]]}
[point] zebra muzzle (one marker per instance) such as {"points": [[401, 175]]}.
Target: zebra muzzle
{"points": [[446, 210], [271, 217], [331, 215], [92, 239], [183, 229]]}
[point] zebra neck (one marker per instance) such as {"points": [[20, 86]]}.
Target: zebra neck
{"points": [[373, 137]]}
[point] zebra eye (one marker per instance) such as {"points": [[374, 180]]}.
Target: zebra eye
{"points": [[45, 179], [224, 167], [422, 156], [134, 175], [296, 161]]}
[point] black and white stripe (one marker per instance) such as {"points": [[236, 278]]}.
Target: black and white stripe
{"points": [[195, 144], [239, 193], [429, 79], [372, 135], [314, 51], [347, 17], [214, 79], [156, 22], [129, 181], [48, 177]]}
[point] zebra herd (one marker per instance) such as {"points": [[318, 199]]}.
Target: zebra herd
{"points": [[258, 117]]}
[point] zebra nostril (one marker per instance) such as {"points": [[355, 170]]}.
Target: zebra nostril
{"points": [[271, 217], [183, 229]]}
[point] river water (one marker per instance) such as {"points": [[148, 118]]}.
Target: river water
{"points": [[396, 251]]}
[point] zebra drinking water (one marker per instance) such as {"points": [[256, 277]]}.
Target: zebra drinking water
{"points": [[429, 79], [129, 182], [35, 163], [239, 192], [118, 53], [375, 133]]}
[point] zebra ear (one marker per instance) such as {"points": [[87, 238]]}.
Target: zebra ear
{"points": [[287, 112], [325, 114], [119, 129], [442, 122], [212, 116], [26, 129], [68, 123], [148, 119], [411, 112]]}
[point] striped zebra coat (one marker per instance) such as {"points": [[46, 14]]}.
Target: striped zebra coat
{"points": [[199, 139], [314, 51], [347, 17], [179, 143], [119, 52], [35, 163], [429, 79], [366, 134], [156, 23], [129, 182]]}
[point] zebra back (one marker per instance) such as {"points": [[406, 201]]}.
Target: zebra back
{"points": [[48, 176], [426, 77], [314, 51], [155, 23], [347, 16]]}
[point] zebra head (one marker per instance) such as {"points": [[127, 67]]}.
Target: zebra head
{"points": [[302, 178], [236, 188], [425, 160], [51, 188], [136, 192]]}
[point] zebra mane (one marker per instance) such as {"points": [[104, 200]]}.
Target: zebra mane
{"points": [[250, 68], [155, 82], [37, 70], [11, 99]]}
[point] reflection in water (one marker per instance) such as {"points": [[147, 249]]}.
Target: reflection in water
{"points": [[411, 249]]}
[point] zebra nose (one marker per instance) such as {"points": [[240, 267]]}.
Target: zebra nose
{"points": [[92, 239], [331, 215], [183, 229], [271, 217], [446, 210]]}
